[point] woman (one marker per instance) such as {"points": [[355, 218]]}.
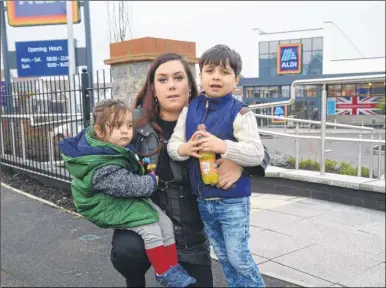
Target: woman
{"points": [[169, 87]]}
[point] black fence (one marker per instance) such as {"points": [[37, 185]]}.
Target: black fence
{"points": [[38, 113]]}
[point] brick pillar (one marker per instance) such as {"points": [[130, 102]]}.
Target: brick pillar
{"points": [[130, 61]]}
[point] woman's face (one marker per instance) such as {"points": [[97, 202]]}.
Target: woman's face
{"points": [[171, 86]]}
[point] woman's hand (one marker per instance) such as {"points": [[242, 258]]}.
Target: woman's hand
{"points": [[190, 148], [229, 173]]}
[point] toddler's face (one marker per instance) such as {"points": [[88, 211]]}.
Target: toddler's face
{"points": [[218, 81], [119, 133]]}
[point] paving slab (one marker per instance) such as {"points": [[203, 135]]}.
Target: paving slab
{"points": [[378, 228], [312, 230], [353, 217], [270, 244], [295, 276], [328, 263], [373, 277], [270, 219], [301, 209]]}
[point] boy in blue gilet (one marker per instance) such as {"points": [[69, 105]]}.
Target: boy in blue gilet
{"points": [[231, 133]]}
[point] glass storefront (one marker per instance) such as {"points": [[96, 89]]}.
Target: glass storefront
{"points": [[312, 56], [357, 99]]}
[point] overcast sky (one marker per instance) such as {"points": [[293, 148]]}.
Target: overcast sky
{"points": [[230, 23]]}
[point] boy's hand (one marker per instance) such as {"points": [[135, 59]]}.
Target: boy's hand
{"points": [[190, 148], [210, 143]]}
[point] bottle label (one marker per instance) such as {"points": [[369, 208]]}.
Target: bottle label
{"points": [[208, 167]]}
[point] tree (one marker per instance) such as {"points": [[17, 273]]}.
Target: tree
{"points": [[120, 20]]}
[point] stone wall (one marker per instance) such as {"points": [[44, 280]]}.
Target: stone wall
{"points": [[130, 61], [129, 78]]}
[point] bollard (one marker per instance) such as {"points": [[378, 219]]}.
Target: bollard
{"points": [[360, 157], [379, 157], [22, 139], [297, 148], [371, 156]]}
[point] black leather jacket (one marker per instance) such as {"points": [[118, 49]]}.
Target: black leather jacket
{"points": [[178, 202]]}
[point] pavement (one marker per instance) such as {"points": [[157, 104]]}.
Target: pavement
{"points": [[295, 241]]}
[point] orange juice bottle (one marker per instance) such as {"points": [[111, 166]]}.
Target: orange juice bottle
{"points": [[209, 172]]}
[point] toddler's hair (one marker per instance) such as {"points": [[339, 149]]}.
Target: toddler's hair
{"points": [[103, 110]]}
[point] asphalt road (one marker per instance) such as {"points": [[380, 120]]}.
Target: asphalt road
{"points": [[339, 151], [42, 246]]}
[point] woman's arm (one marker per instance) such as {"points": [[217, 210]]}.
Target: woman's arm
{"points": [[248, 150], [120, 182]]}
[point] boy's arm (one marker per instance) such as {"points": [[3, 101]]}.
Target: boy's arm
{"points": [[249, 150], [120, 182], [178, 137]]}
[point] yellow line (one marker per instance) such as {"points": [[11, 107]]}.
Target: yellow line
{"points": [[39, 199]]}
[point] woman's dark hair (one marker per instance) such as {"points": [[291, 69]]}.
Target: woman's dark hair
{"points": [[145, 97]]}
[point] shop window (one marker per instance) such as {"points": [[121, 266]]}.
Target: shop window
{"points": [[307, 44], [378, 89], [273, 46], [285, 91], [364, 89], [307, 56], [295, 41], [264, 72], [349, 90], [273, 72], [334, 91], [272, 60], [310, 90], [317, 43], [272, 92], [304, 70], [249, 92], [264, 60], [317, 55], [263, 47]]}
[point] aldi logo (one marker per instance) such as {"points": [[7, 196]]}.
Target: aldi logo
{"points": [[289, 58], [35, 13]]}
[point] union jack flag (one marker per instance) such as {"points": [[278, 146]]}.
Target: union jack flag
{"points": [[360, 105]]}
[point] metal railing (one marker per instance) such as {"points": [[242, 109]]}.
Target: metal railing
{"points": [[324, 123], [30, 128], [28, 133]]}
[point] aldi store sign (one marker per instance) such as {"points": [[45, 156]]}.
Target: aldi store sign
{"points": [[289, 59]]}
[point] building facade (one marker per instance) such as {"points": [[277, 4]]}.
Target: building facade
{"points": [[306, 54]]}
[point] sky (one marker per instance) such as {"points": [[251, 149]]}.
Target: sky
{"points": [[209, 23]]}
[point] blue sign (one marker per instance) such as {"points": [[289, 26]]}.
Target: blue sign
{"points": [[42, 58], [289, 58], [279, 111], [331, 106], [30, 13], [3, 93]]}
